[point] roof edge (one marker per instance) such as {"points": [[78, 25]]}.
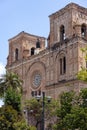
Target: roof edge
{"points": [[69, 6], [25, 33]]}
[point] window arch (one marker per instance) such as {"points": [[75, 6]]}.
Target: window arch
{"points": [[62, 65], [38, 44], [16, 53], [62, 33], [32, 51], [83, 30]]}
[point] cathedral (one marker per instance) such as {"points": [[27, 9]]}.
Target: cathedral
{"points": [[52, 68]]}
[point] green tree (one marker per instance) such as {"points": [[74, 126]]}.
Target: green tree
{"points": [[66, 100], [77, 119], [21, 125], [12, 81], [14, 99], [11, 113], [83, 97], [10, 119], [7, 117], [72, 112], [11, 90], [34, 111], [82, 74]]}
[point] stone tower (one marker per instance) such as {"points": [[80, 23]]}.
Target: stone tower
{"points": [[52, 69]]}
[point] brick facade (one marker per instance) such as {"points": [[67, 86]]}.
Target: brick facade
{"points": [[53, 68]]}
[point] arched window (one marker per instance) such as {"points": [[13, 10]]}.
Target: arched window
{"points": [[16, 54], [38, 44], [62, 65], [32, 51], [36, 93], [83, 30], [62, 33]]}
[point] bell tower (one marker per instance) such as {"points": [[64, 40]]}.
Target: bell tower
{"points": [[66, 23], [23, 46]]}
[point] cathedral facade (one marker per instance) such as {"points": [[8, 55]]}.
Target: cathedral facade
{"points": [[51, 69]]}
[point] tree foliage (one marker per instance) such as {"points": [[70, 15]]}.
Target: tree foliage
{"points": [[14, 99], [72, 113], [82, 74], [11, 117], [34, 111], [11, 90], [12, 81], [7, 117]]}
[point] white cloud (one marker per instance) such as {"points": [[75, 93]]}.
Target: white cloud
{"points": [[2, 69], [1, 103]]}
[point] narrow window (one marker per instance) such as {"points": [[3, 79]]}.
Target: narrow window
{"points": [[16, 54], [32, 93], [83, 30], [62, 65], [38, 44], [39, 92], [35, 93], [32, 51], [62, 33]]}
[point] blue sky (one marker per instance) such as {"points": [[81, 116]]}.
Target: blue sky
{"points": [[27, 15], [30, 16]]}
